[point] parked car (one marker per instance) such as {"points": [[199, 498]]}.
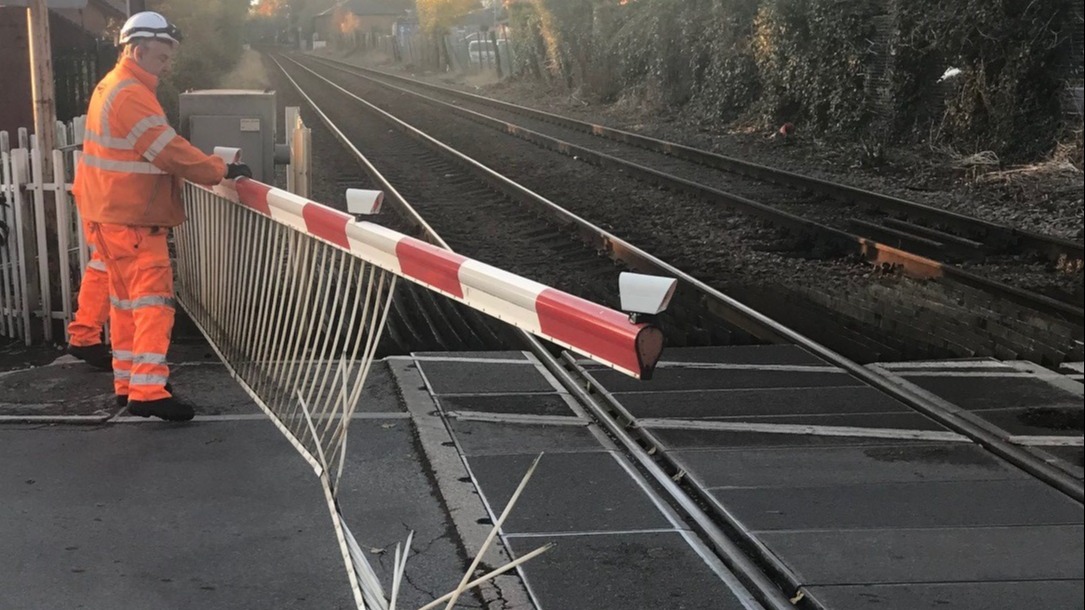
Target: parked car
{"points": [[481, 52]]}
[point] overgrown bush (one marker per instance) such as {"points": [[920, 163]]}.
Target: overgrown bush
{"points": [[623, 55], [728, 77], [527, 40], [813, 57], [212, 46], [847, 68], [1006, 97], [661, 49]]}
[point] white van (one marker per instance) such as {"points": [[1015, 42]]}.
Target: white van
{"points": [[481, 52]]}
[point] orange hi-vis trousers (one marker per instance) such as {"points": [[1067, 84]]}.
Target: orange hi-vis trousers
{"points": [[93, 306], [141, 307]]}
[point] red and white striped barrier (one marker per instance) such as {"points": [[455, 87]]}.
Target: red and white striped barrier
{"points": [[603, 334]]}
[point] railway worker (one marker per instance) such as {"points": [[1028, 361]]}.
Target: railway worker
{"points": [[128, 187]]}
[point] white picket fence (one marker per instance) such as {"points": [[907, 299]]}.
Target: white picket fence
{"points": [[40, 265], [34, 278]]}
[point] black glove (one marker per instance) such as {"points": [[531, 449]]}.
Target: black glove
{"points": [[236, 170]]}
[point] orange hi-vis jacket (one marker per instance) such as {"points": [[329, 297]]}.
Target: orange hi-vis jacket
{"points": [[133, 162]]}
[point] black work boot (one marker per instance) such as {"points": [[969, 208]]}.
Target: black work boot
{"points": [[169, 409], [122, 399], [96, 355]]}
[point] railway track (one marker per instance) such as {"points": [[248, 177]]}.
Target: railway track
{"points": [[872, 224], [447, 198], [887, 320], [963, 236]]}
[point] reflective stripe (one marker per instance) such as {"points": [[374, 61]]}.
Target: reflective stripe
{"points": [[149, 358], [149, 380], [97, 266], [160, 143], [128, 167], [107, 141], [107, 107], [144, 124], [121, 374], [149, 301], [123, 355]]}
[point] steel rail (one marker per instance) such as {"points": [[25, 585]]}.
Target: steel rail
{"points": [[1055, 249], [873, 251]]}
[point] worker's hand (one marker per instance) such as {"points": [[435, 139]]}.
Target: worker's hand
{"points": [[236, 170]]}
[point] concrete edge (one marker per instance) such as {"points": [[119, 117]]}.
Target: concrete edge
{"points": [[465, 506]]}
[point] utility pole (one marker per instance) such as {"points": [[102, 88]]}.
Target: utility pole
{"points": [[42, 87], [43, 93], [136, 6]]}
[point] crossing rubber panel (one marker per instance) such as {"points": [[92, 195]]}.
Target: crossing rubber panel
{"points": [[744, 354], [1041, 421], [1074, 455], [499, 355], [761, 402], [932, 555], [714, 439], [901, 505], [645, 571], [1022, 595], [486, 438], [456, 377], [569, 492], [883, 463], [996, 392], [675, 378], [890, 421], [520, 404]]}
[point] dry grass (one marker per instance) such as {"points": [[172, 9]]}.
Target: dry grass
{"points": [[1054, 168], [483, 78]]}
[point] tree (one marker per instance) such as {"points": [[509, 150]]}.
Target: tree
{"points": [[293, 15], [272, 8], [212, 45], [436, 16]]}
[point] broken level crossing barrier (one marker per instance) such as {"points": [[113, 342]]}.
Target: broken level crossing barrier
{"points": [[294, 296]]}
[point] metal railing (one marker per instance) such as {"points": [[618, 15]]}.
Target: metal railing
{"points": [[294, 296], [296, 320]]}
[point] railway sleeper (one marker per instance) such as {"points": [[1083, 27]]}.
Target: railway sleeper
{"points": [[961, 246]]}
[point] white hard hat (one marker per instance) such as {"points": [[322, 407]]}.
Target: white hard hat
{"points": [[149, 24]]}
